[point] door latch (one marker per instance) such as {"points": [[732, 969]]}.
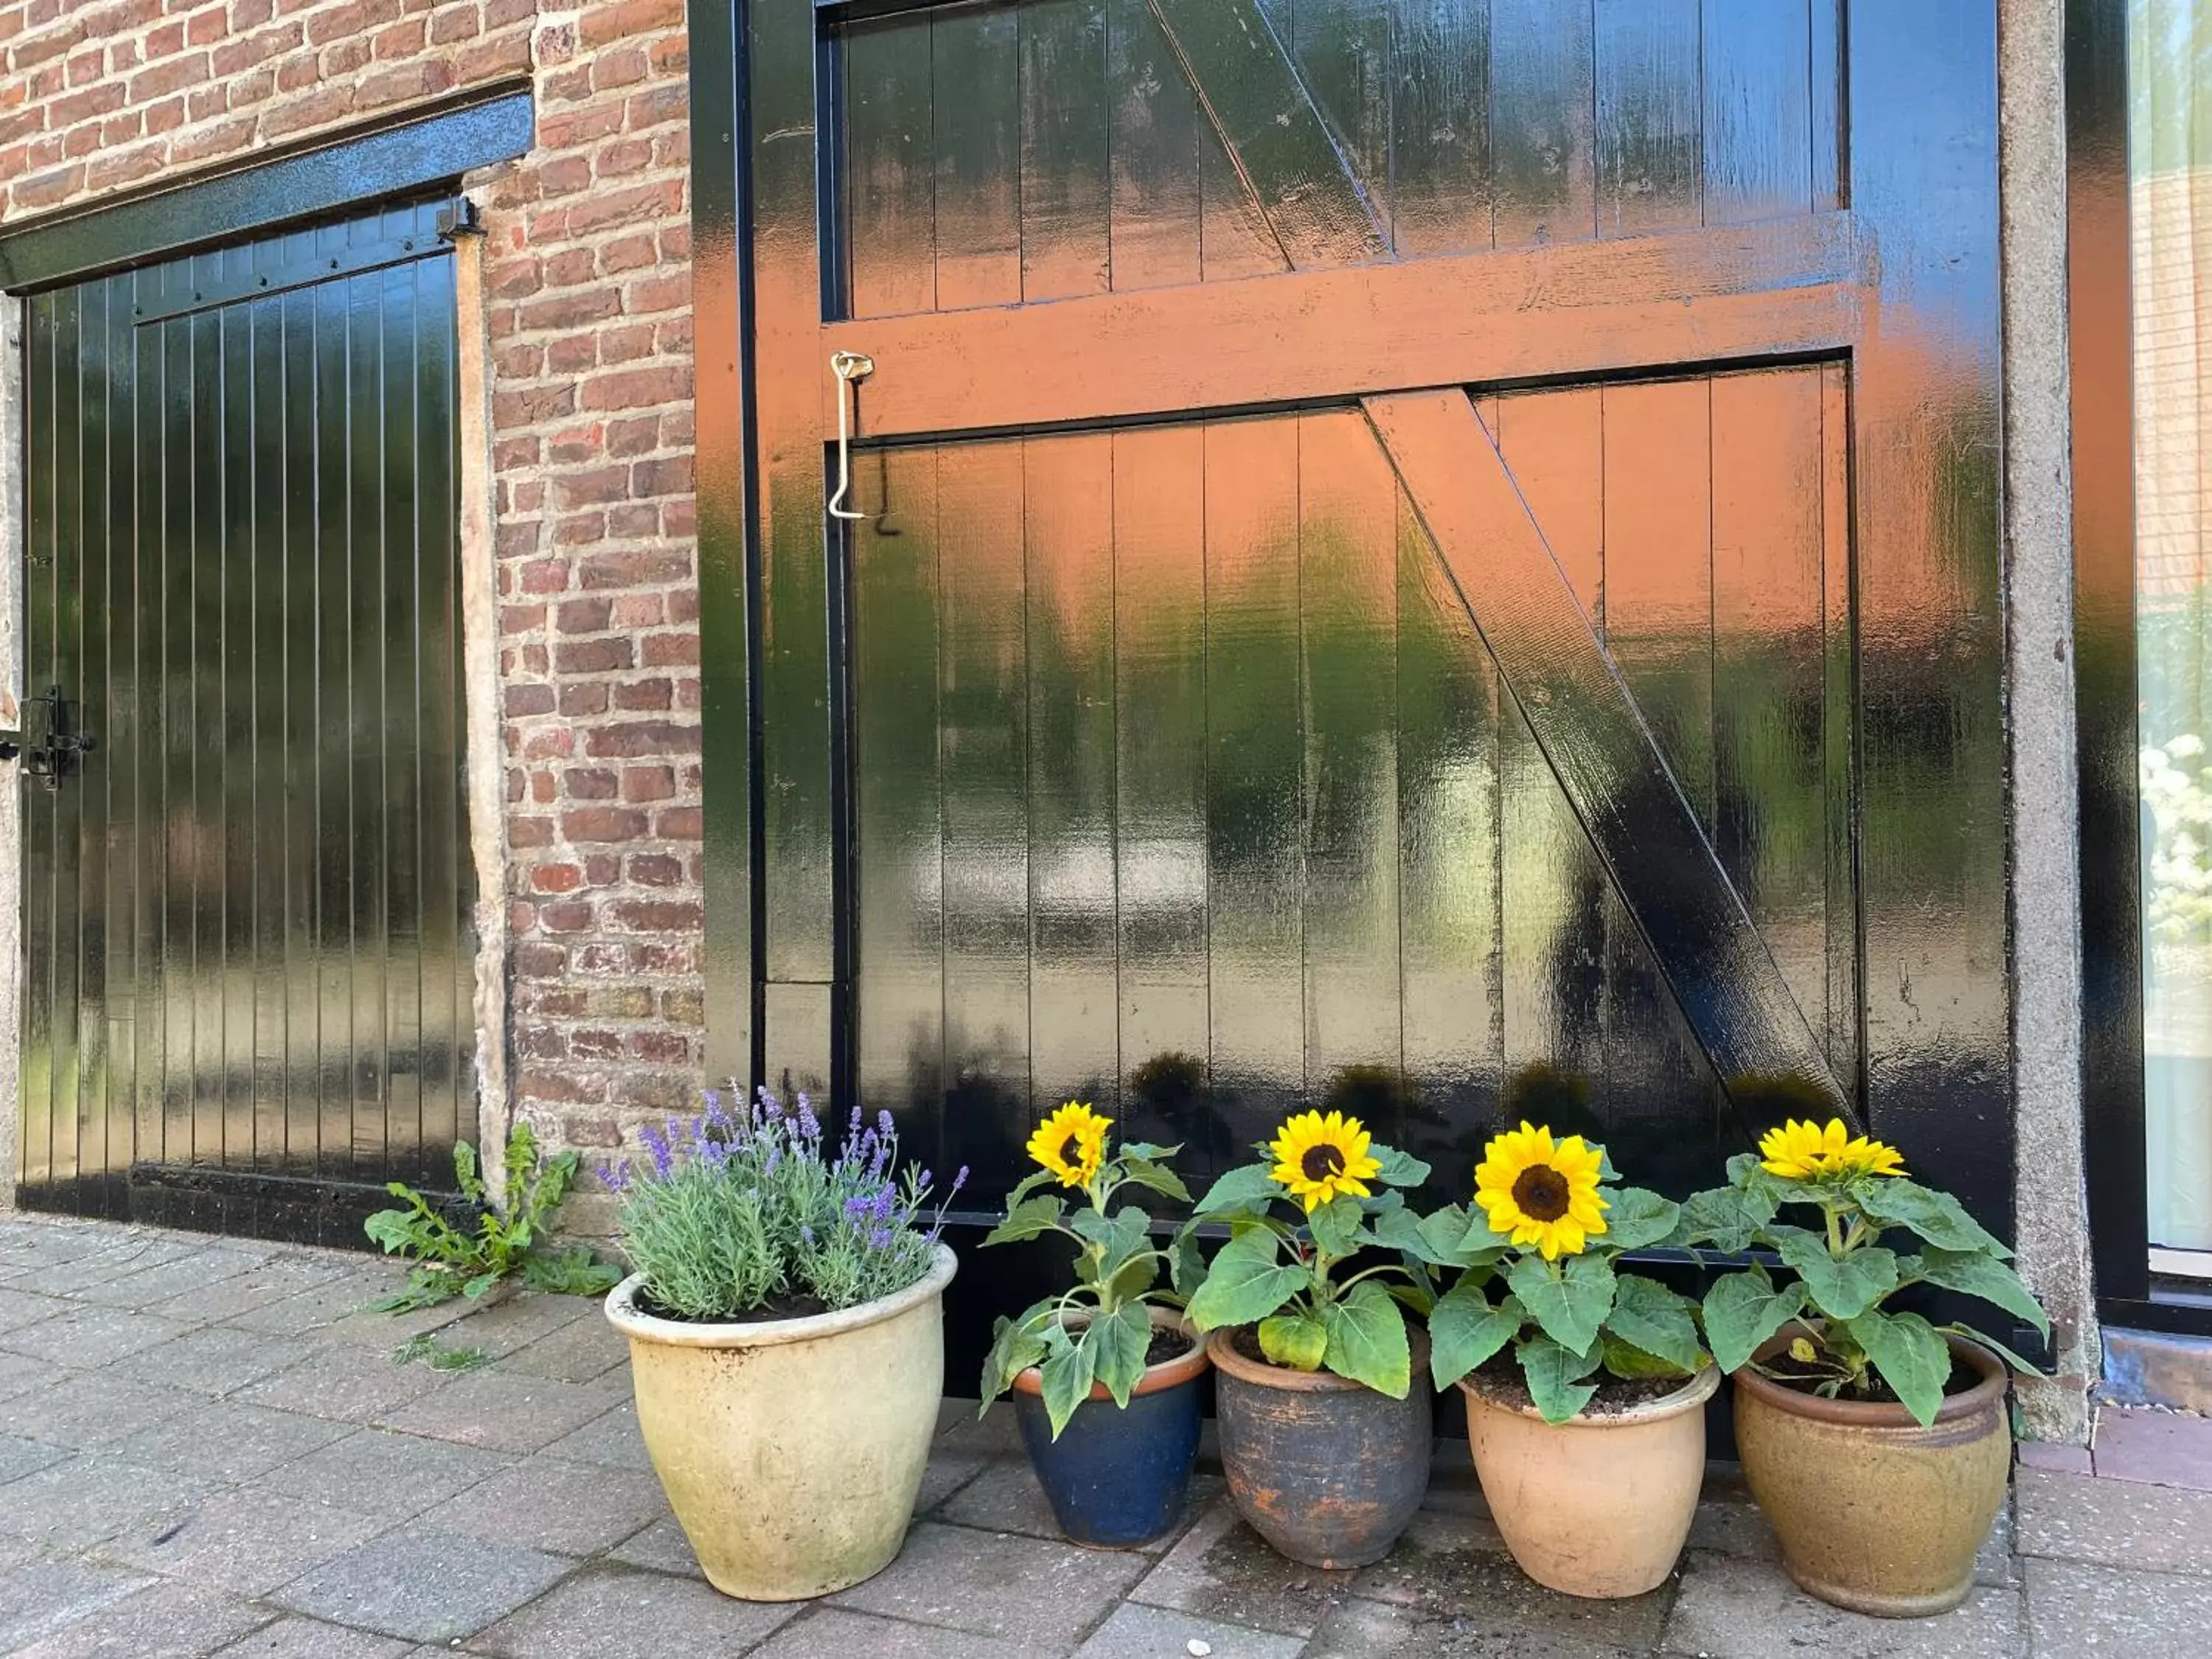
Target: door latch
{"points": [[50, 757], [851, 368]]}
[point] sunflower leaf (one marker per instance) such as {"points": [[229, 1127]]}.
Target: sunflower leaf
{"points": [[1743, 1309], [1157, 1176], [1295, 1340], [1399, 1169], [1185, 1263], [1650, 1317], [1336, 1226], [1977, 1275], [1727, 1219], [1148, 1151], [1367, 1340], [1027, 1219], [1570, 1304], [1464, 1330], [1247, 1186], [1028, 1184], [1626, 1359], [1842, 1287], [1555, 1375], [1067, 1378], [1246, 1283], [1639, 1220], [1015, 1346], [1936, 1217], [2020, 1362], [1118, 1344], [1912, 1358]]}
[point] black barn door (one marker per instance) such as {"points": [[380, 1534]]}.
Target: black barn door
{"points": [[245, 936]]}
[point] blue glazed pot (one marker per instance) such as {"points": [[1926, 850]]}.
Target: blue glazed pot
{"points": [[1117, 1476]]}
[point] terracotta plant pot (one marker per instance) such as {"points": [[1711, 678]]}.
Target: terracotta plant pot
{"points": [[1594, 1506], [1117, 1476], [1328, 1471], [791, 1450], [1874, 1512]]}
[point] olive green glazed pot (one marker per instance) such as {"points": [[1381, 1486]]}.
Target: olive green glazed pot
{"points": [[1873, 1512], [792, 1450]]}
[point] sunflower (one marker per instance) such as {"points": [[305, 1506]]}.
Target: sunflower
{"points": [[1806, 1152], [1317, 1158], [1072, 1143], [1541, 1192]]}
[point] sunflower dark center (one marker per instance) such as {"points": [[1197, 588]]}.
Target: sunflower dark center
{"points": [[1071, 1150], [1323, 1161], [1541, 1192]]}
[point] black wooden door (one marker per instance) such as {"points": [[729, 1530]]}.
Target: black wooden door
{"points": [[245, 933], [1438, 556]]}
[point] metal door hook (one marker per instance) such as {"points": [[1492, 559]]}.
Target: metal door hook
{"points": [[851, 368]]}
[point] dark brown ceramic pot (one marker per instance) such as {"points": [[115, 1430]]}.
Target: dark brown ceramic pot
{"points": [[1328, 1471], [1874, 1512]]}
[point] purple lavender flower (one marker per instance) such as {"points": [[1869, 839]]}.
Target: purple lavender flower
{"points": [[807, 1233], [879, 1238], [617, 1176], [810, 1126], [655, 1140]]}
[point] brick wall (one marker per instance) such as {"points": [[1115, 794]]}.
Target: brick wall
{"points": [[588, 295]]}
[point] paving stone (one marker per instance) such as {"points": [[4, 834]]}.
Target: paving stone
{"points": [[426, 1586], [213, 1360], [114, 1255], [75, 1504], [581, 1351], [1024, 1588], [513, 1414], [266, 1281], [87, 1413], [368, 1327], [1220, 1569], [1452, 1567], [524, 1318], [20, 1307], [20, 1374], [828, 1632], [1730, 1608], [40, 1593], [348, 1384], [1142, 1632], [2075, 1608], [2123, 1523], [19, 1456], [1003, 1497], [164, 1621], [2165, 1448], [946, 1474], [662, 1546], [2065, 1460], [142, 1286], [613, 1614], [227, 1441], [611, 1438], [1376, 1629], [320, 1306], [87, 1339], [311, 1638], [382, 1473], [48, 1241], [571, 1508], [249, 1542], [997, 1434]]}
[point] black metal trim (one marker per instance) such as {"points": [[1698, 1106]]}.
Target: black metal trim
{"points": [[2100, 330], [424, 147], [2155, 1314], [306, 273]]}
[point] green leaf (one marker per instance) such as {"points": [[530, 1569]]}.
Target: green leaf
{"points": [[1973, 1274], [1367, 1340], [1157, 1176], [1653, 1318], [1185, 1263], [1015, 1346], [1295, 1340], [1839, 1287], [1067, 1378], [1910, 1357], [1118, 1343], [464, 1169], [1555, 1376], [1626, 1359], [1464, 1330], [2020, 1362], [1247, 1187], [1570, 1304], [1639, 1219], [1028, 1184], [1936, 1217], [1132, 1280], [1399, 1169], [1148, 1151], [1121, 1237], [1336, 1226], [1245, 1282], [1722, 1219], [1743, 1310], [1026, 1219]]}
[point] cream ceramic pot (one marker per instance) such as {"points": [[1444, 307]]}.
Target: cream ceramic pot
{"points": [[1594, 1506], [792, 1450]]}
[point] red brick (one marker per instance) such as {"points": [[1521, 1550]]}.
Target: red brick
{"points": [[603, 823]]}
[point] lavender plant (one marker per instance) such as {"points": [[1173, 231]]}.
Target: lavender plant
{"points": [[731, 1212]]}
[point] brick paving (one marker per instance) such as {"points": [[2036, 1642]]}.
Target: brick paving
{"points": [[207, 1447]]}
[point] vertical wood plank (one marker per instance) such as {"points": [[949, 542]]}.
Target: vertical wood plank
{"points": [[1160, 792], [1348, 627], [975, 62], [201, 663], [1440, 159], [983, 707], [1650, 110], [88, 690], [42, 888], [335, 1009], [1343, 51], [890, 229], [366, 691], [1542, 121], [1068, 529], [149, 761], [301, 737], [117, 719], [402, 733], [1065, 175], [1154, 217], [1758, 151], [270, 806], [231, 761], [1825, 82], [1255, 787], [1840, 727]]}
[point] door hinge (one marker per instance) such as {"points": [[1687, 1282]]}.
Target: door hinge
{"points": [[457, 218], [51, 756]]}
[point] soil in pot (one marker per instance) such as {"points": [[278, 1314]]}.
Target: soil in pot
{"points": [[1118, 1476], [1327, 1471], [1599, 1505], [1874, 1512]]}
